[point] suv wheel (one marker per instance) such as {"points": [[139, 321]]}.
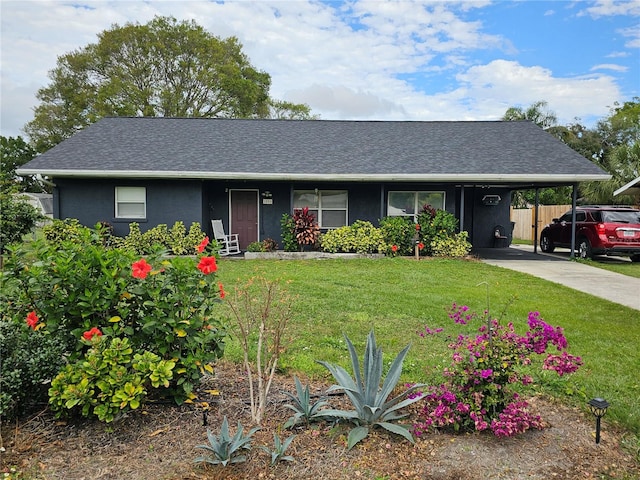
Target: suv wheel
{"points": [[635, 258], [584, 249], [546, 244]]}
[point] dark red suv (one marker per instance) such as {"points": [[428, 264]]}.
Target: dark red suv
{"points": [[600, 230]]}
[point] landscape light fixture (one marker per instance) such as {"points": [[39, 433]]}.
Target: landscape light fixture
{"points": [[598, 407]]}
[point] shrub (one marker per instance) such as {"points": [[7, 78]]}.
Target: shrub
{"points": [[109, 380], [68, 229], [306, 229], [452, 246], [399, 231], [28, 360], [255, 247], [261, 310], [434, 225], [159, 238], [17, 218], [360, 237], [168, 307], [269, 245], [477, 394], [289, 242]]}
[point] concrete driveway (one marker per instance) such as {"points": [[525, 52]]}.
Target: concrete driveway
{"points": [[611, 286]]}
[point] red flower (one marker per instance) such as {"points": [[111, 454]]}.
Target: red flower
{"points": [[417, 226], [207, 265], [420, 246], [32, 320], [140, 269], [394, 248], [222, 293], [89, 334], [203, 245]]}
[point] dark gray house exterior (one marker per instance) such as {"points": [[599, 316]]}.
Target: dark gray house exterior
{"points": [[249, 172]]}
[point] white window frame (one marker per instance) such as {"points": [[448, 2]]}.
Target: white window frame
{"points": [[416, 206], [130, 196], [319, 207]]}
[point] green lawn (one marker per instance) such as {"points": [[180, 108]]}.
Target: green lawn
{"points": [[398, 296]]}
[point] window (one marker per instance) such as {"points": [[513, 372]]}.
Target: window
{"points": [[131, 202], [410, 203], [329, 206]]}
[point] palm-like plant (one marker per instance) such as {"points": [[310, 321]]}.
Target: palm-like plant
{"points": [[370, 401], [224, 448]]}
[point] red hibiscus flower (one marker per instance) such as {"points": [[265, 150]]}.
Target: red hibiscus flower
{"points": [[207, 265], [89, 334], [417, 226], [394, 248], [32, 320], [222, 292], [420, 245], [203, 245], [140, 269]]}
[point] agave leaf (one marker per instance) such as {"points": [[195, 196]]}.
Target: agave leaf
{"points": [[397, 429], [393, 375], [355, 435], [355, 364], [348, 414], [401, 400]]}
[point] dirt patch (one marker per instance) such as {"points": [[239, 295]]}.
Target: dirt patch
{"points": [[159, 443]]}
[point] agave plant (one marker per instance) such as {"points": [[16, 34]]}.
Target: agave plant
{"points": [[370, 401], [279, 448], [224, 448], [302, 406]]}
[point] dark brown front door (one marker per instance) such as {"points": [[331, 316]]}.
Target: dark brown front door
{"points": [[244, 216]]}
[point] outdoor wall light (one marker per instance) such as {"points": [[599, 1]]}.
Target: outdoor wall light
{"points": [[267, 194], [598, 407], [491, 199]]}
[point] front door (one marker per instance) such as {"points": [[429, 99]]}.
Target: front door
{"points": [[244, 216]]}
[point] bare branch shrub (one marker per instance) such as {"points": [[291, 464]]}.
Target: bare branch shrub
{"points": [[261, 309]]}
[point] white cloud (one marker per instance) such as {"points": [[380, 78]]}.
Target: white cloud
{"points": [[606, 8], [610, 66]]}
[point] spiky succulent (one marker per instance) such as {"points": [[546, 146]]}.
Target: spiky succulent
{"points": [[370, 400]]}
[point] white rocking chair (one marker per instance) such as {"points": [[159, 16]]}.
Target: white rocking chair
{"points": [[228, 243]]}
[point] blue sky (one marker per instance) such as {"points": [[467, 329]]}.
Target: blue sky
{"points": [[369, 60]]}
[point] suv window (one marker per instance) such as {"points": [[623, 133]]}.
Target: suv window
{"points": [[581, 216], [566, 217], [620, 217], [597, 216]]}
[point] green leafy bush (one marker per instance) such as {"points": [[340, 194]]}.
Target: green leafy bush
{"points": [[28, 361], [255, 247], [456, 246], [109, 380], [399, 231], [360, 237], [159, 238], [168, 307], [69, 229], [435, 224], [289, 242]]}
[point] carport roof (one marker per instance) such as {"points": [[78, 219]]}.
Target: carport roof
{"points": [[510, 153]]}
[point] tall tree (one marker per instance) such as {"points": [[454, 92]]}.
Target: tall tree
{"points": [[15, 152], [540, 114], [618, 153], [162, 68]]}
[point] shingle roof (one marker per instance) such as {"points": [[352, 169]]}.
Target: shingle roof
{"points": [[313, 149]]}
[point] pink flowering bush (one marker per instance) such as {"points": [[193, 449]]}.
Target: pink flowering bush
{"points": [[478, 392]]}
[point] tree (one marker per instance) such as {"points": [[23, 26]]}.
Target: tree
{"points": [[541, 115], [279, 109], [538, 113], [162, 68], [619, 153], [17, 216], [15, 152]]}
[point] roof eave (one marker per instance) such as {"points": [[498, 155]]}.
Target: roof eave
{"points": [[350, 177]]}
